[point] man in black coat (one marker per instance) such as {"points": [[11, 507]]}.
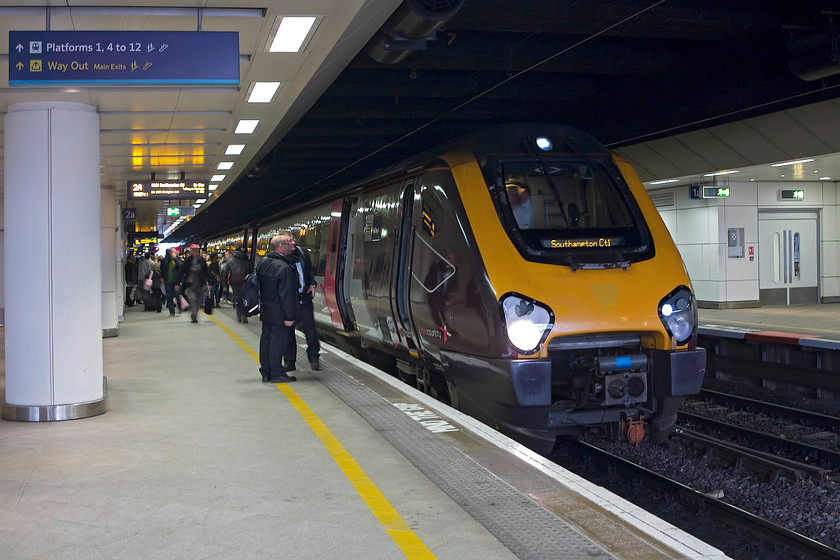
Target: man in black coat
{"points": [[195, 277], [278, 306], [305, 312]]}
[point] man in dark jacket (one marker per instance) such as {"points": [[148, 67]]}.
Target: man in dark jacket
{"points": [[278, 306], [305, 312], [238, 266], [130, 279], [195, 277], [170, 269]]}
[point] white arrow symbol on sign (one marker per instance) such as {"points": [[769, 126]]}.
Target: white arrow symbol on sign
{"points": [[19, 48]]}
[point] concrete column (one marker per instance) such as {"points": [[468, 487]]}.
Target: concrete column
{"points": [[110, 326], [119, 261], [53, 263]]}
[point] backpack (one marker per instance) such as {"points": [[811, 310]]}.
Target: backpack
{"points": [[248, 301]]}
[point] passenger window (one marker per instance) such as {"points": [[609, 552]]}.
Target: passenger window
{"points": [[324, 238]]}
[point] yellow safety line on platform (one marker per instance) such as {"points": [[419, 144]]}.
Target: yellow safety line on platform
{"points": [[380, 507]]}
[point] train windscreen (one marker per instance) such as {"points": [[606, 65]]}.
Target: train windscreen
{"points": [[580, 213]]}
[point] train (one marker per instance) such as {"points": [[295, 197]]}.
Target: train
{"points": [[520, 273]]}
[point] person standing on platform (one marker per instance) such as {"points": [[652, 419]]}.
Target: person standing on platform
{"points": [[225, 273], [305, 313], [130, 279], [278, 306], [144, 271], [195, 277], [154, 303], [170, 269], [239, 267], [216, 283]]}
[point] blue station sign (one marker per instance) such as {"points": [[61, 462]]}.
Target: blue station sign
{"points": [[123, 57]]}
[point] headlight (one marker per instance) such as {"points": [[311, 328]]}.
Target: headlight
{"points": [[678, 313], [527, 322]]}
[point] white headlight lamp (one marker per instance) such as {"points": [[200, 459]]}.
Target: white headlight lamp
{"points": [[678, 313], [527, 321]]}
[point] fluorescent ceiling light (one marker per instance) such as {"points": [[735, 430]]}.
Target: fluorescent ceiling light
{"points": [[196, 205], [721, 173], [662, 182], [246, 126], [825, 178], [217, 178], [225, 165], [263, 92], [234, 149], [291, 33], [213, 187], [792, 162], [201, 200]]}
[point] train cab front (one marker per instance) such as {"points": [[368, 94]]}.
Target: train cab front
{"points": [[594, 298]]}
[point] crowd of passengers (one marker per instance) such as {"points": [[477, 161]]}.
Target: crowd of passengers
{"points": [[193, 280]]}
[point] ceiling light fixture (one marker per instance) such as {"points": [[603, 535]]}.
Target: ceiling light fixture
{"points": [[263, 92], [217, 178], [791, 162], [225, 165], [291, 33], [246, 126], [234, 149], [663, 181], [212, 187], [200, 200], [721, 173], [825, 178]]}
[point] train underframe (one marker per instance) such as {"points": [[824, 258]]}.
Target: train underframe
{"points": [[616, 392]]}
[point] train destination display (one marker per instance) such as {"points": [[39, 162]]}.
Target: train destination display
{"points": [[123, 57], [166, 190]]}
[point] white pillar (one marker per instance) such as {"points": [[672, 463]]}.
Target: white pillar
{"points": [[53, 262], [110, 327], [119, 261]]}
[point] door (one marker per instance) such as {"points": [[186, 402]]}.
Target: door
{"points": [[788, 258]]}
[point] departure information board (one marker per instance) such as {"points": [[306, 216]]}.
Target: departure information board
{"points": [[166, 190], [123, 57]]}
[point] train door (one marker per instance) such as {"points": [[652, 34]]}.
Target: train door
{"points": [[788, 258], [371, 233], [336, 253], [432, 269], [402, 282]]}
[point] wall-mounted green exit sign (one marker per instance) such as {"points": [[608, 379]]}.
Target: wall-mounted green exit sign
{"points": [[792, 194], [175, 211], [715, 192]]}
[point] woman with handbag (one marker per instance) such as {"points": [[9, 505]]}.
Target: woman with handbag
{"points": [[154, 288]]}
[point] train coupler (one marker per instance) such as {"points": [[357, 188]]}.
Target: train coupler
{"points": [[633, 429]]}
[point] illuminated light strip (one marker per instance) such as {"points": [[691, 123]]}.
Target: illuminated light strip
{"points": [[379, 506], [794, 162]]}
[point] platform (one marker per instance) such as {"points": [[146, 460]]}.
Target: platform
{"points": [[820, 320], [197, 458]]}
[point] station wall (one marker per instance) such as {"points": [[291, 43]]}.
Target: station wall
{"points": [[700, 230]]}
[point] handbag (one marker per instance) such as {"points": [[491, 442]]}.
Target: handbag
{"points": [[147, 283], [183, 303]]}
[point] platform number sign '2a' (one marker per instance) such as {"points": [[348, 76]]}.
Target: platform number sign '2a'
{"points": [[123, 57]]}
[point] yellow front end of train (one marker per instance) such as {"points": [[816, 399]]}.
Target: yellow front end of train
{"points": [[593, 295]]}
